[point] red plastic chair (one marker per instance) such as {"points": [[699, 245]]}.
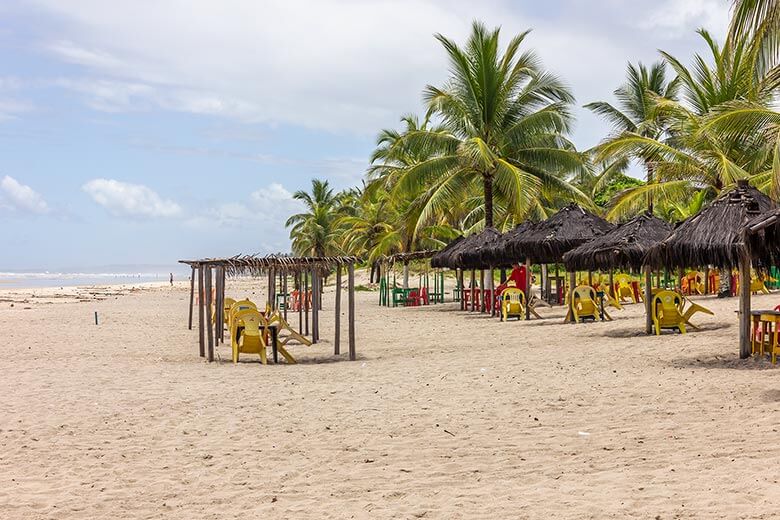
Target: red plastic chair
{"points": [[424, 296], [414, 299]]}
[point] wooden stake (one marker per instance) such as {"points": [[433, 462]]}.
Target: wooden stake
{"points": [[315, 304], [284, 292], [648, 300], [192, 295], [527, 289], [572, 283], [351, 317], [482, 305], [306, 301], [209, 329], [201, 305], [300, 301], [337, 338], [744, 307]]}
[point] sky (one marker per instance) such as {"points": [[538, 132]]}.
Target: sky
{"points": [[147, 131]]}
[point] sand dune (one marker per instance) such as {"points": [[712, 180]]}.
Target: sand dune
{"points": [[444, 415]]}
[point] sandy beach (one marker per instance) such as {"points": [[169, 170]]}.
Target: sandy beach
{"points": [[444, 415]]}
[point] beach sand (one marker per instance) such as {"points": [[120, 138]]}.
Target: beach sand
{"points": [[445, 414]]}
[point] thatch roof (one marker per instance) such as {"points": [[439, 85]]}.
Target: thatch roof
{"points": [[500, 252], [467, 254], [441, 259], [408, 257], [255, 265], [622, 248], [547, 241], [714, 236], [763, 235]]}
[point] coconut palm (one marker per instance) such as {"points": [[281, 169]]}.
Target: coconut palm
{"points": [[636, 114], [701, 150], [313, 231], [500, 136]]}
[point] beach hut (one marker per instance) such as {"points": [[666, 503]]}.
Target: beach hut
{"points": [[388, 264], [624, 247], [547, 241], [303, 269], [717, 236], [441, 258], [455, 259]]}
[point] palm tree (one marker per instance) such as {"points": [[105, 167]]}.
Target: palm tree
{"points": [[313, 232], [704, 147], [635, 113], [501, 123]]}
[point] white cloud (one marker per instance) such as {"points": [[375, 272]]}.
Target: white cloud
{"points": [[343, 65], [131, 200], [19, 197], [677, 17]]}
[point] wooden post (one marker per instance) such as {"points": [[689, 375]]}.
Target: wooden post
{"points": [[315, 304], [648, 300], [351, 317], [482, 305], [284, 292], [744, 307], [471, 288], [572, 283], [527, 289], [558, 285], [209, 329], [459, 273], [217, 305], [337, 338], [300, 301], [306, 301], [222, 309], [707, 280], [491, 283], [201, 306], [192, 295]]}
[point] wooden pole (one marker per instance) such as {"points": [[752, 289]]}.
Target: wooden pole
{"points": [[284, 292], [192, 295], [217, 304], [315, 304], [459, 273], [482, 305], [471, 288], [209, 329], [337, 338], [707, 280], [527, 289], [351, 317], [300, 301], [572, 283], [306, 301], [744, 307], [201, 323], [648, 300]]}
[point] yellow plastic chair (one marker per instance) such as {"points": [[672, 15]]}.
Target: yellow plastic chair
{"points": [[226, 309], [239, 306], [692, 309], [695, 282], [512, 303], [666, 309], [246, 334], [624, 288], [757, 285], [585, 304]]}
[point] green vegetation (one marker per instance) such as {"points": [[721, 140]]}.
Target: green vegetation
{"points": [[492, 148]]}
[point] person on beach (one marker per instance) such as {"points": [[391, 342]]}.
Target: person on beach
{"points": [[517, 277], [171, 279]]}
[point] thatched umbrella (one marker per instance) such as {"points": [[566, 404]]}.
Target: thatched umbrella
{"points": [[498, 253], [549, 240], [714, 236], [717, 236], [441, 259], [621, 248]]}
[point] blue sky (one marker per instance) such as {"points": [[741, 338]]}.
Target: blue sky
{"points": [[141, 132]]}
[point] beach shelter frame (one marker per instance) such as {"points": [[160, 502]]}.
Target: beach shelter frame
{"points": [[216, 270]]}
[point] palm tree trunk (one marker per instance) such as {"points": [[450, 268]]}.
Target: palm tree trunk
{"points": [[406, 275], [487, 182], [650, 175]]}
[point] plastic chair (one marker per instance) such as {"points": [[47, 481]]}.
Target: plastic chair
{"points": [[246, 334], [666, 311], [512, 303], [584, 304], [623, 288]]}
